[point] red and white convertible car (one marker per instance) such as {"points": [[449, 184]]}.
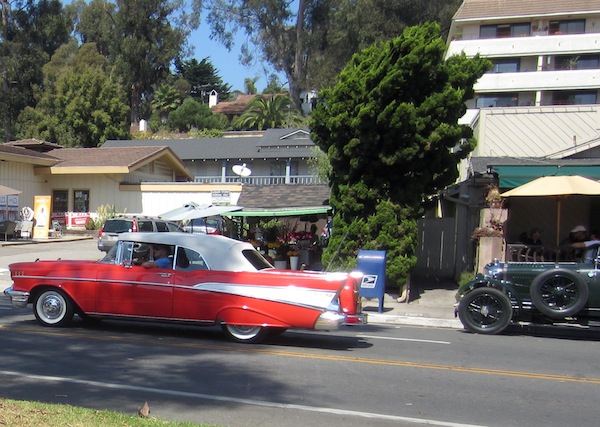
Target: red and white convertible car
{"points": [[212, 280]]}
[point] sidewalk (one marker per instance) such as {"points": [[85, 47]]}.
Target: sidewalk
{"points": [[430, 303]]}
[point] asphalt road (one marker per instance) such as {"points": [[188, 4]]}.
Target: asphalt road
{"points": [[375, 375]]}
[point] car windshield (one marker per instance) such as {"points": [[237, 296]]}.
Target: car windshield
{"points": [[111, 256]]}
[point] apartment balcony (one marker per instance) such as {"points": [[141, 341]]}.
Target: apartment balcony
{"points": [[575, 44], [538, 80], [261, 180]]}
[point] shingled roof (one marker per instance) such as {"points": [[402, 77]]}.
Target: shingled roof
{"points": [[478, 9], [34, 144], [234, 108], [24, 155], [112, 159], [283, 196], [272, 144]]}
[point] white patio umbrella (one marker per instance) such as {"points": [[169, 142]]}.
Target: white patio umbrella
{"points": [[7, 191], [174, 213], [193, 211], [559, 187]]}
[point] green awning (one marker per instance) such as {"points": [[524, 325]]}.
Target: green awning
{"points": [[515, 175], [282, 211]]}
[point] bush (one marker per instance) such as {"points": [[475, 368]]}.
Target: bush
{"points": [[465, 277], [102, 214]]}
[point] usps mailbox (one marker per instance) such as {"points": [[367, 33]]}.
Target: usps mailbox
{"points": [[372, 265]]}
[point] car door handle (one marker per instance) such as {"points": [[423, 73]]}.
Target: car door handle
{"points": [[164, 274]]}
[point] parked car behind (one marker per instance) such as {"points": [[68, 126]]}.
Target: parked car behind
{"points": [[211, 280], [537, 292], [209, 225], [108, 234]]}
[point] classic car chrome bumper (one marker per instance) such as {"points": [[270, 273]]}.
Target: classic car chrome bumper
{"points": [[357, 319], [332, 320], [19, 299]]}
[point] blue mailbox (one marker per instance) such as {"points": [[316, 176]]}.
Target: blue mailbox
{"points": [[372, 265]]}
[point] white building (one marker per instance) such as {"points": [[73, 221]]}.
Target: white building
{"points": [[541, 97]]}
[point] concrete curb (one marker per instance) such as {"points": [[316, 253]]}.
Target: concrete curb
{"points": [[390, 319], [49, 240]]}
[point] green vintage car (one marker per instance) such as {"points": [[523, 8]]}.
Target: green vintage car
{"points": [[536, 292]]}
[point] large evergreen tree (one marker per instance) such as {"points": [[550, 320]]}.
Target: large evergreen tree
{"points": [[30, 33], [143, 38], [81, 105], [389, 127], [203, 78]]}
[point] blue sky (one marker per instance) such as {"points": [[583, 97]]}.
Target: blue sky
{"points": [[225, 62]]}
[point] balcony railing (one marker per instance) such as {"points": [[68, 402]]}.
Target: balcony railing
{"points": [[261, 180]]}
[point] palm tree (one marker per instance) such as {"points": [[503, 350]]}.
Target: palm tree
{"points": [[250, 85], [269, 112], [166, 99]]}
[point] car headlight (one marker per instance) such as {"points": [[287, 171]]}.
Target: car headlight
{"points": [[493, 271]]}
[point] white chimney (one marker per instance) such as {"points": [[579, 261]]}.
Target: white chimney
{"points": [[213, 98]]}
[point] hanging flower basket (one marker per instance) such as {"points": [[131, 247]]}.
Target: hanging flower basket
{"points": [[490, 231]]}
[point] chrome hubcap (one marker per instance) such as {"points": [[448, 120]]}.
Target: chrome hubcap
{"points": [[52, 307]]}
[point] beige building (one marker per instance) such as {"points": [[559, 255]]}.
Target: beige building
{"points": [[148, 180]]}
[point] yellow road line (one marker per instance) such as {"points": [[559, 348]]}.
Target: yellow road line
{"points": [[247, 349]]}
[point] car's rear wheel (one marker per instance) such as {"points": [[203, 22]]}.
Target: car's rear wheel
{"points": [[559, 293], [245, 334], [53, 308], [485, 311]]}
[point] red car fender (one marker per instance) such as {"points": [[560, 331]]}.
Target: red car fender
{"points": [[247, 316], [350, 303]]}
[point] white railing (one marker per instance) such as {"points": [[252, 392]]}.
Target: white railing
{"points": [[261, 180]]}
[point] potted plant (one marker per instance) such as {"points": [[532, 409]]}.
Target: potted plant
{"points": [[493, 198]]}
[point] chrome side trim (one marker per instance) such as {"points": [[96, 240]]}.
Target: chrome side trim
{"points": [[320, 299], [19, 299]]}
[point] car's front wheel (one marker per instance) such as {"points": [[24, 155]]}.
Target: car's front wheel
{"points": [[559, 293], [245, 334], [53, 308], [485, 311]]}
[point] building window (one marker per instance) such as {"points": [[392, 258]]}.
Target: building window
{"points": [[504, 30], [580, 62], [507, 65], [578, 97], [81, 201], [497, 100], [576, 26], [60, 201]]}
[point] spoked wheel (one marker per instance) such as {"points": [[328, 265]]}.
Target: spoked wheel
{"points": [[245, 334], [559, 293], [53, 308], [485, 311]]}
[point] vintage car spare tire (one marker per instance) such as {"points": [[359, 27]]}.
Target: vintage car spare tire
{"points": [[559, 293]]}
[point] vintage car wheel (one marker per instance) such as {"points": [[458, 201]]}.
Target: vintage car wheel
{"points": [[53, 308], [559, 293], [485, 311], [245, 334]]}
